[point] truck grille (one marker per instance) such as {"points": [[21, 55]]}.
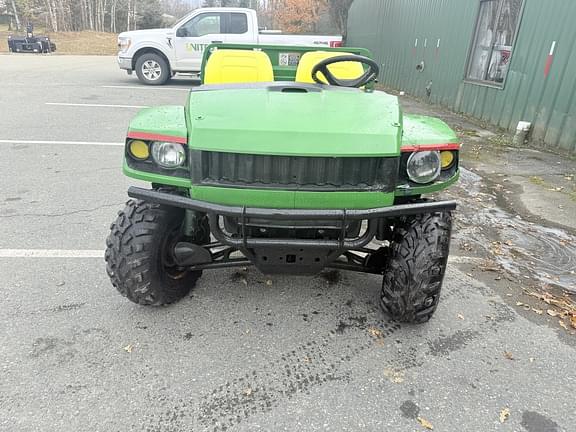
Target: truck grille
{"points": [[293, 172]]}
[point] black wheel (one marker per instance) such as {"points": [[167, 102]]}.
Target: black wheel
{"points": [[415, 269], [139, 254], [152, 69]]}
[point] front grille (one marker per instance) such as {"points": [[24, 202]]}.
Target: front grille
{"points": [[294, 172]]}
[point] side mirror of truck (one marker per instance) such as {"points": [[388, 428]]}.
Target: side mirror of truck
{"points": [[182, 32]]}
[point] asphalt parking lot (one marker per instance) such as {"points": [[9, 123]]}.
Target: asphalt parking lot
{"points": [[244, 352]]}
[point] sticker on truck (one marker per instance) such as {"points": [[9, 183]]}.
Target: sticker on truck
{"points": [[196, 47], [289, 59]]}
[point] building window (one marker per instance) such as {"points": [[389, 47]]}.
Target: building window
{"points": [[496, 31]]}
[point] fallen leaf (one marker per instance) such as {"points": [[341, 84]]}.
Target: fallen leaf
{"points": [[573, 321], [460, 316], [563, 325], [395, 376], [508, 355], [504, 414], [489, 267], [425, 423], [374, 332], [129, 348]]}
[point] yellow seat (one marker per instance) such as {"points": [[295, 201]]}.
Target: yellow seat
{"points": [[238, 66], [343, 70]]}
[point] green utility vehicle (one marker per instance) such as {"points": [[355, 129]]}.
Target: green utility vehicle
{"points": [[288, 159]]}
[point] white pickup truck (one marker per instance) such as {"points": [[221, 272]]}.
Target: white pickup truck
{"points": [[157, 55]]}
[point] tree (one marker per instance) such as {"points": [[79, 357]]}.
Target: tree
{"points": [[148, 15], [177, 8], [297, 16], [15, 12], [338, 10], [106, 15]]}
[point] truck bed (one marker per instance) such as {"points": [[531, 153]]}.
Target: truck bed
{"points": [[301, 40]]}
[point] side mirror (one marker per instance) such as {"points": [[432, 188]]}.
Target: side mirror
{"points": [[182, 32]]}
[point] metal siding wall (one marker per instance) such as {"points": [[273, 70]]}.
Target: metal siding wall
{"points": [[389, 29]]}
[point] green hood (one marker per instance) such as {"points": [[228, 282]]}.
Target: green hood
{"points": [[336, 122]]}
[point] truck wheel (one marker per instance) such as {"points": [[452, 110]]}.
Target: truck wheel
{"points": [[138, 254], [152, 69], [415, 269]]}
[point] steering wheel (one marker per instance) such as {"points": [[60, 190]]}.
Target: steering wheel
{"points": [[370, 75]]}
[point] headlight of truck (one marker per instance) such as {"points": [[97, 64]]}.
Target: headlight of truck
{"points": [[124, 44], [168, 155], [424, 166]]}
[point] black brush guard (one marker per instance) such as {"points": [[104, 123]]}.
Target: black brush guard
{"points": [[294, 256]]}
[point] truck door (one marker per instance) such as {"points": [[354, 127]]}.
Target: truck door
{"points": [[195, 35], [238, 29], [206, 28]]}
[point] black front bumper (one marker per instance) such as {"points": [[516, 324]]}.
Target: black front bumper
{"points": [[179, 201], [344, 216], [289, 254]]}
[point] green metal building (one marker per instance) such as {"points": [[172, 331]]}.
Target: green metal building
{"points": [[502, 61]]}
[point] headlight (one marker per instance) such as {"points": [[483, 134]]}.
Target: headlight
{"points": [[168, 155], [424, 167], [124, 43]]}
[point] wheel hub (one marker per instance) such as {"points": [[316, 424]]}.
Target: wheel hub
{"points": [[151, 70]]}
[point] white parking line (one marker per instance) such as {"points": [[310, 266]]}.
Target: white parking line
{"points": [[50, 253], [89, 143], [94, 105], [146, 88]]}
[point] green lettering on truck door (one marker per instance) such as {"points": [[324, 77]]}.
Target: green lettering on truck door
{"points": [[196, 47]]}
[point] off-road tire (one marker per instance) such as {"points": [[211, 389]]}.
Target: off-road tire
{"points": [[415, 269], [165, 73], [134, 254]]}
